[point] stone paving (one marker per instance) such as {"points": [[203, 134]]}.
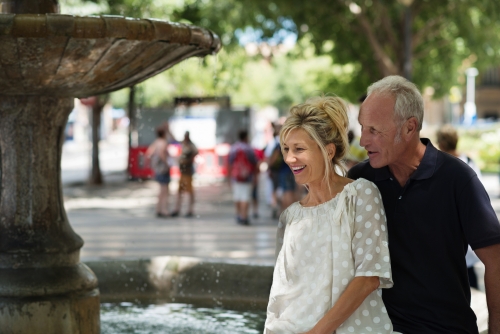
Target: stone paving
{"points": [[118, 221]]}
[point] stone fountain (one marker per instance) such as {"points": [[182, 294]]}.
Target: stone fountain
{"points": [[47, 59]]}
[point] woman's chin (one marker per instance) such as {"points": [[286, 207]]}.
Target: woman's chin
{"points": [[299, 181]]}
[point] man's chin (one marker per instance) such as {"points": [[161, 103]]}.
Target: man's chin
{"points": [[375, 164]]}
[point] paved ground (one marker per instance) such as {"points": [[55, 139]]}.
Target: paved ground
{"points": [[118, 220]]}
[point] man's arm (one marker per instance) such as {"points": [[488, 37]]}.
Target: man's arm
{"points": [[490, 256]]}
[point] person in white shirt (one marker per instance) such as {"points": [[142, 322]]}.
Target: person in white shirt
{"points": [[332, 250]]}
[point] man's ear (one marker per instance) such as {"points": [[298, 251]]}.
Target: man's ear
{"points": [[330, 150], [410, 127]]}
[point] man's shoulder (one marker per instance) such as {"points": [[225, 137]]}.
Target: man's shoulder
{"points": [[453, 166], [362, 170]]}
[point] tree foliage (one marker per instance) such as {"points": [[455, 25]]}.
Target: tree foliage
{"points": [[248, 79], [447, 35], [364, 40]]}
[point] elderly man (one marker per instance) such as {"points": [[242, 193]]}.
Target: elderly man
{"points": [[435, 206]]}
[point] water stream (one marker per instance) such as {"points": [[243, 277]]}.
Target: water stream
{"points": [[172, 318]]}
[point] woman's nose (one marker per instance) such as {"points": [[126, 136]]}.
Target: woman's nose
{"points": [[289, 157]]}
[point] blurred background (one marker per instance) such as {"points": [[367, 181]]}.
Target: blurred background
{"points": [[278, 53]]}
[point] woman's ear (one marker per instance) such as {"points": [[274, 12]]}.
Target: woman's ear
{"points": [[330, 150]]}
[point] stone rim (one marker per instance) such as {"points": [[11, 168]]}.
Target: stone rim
{"points": [[72, 56], [107, 26]]}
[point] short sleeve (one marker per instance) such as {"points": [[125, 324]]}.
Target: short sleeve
{"points": [[369, 242], [280, 233], [477, 216]]}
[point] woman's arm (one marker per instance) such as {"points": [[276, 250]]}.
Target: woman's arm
{"points": [[151, 149], [355, 293], [163, 151]]}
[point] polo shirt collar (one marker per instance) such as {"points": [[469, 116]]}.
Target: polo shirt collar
{"points": [[424, 171]]}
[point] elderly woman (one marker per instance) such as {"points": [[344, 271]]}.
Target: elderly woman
{"points": [[332, 251]]}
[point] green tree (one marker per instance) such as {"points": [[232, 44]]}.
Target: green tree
{"points": [[369, 34], [364, 38]]}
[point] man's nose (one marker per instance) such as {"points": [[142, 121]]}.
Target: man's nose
{"points": [[363, 140]]}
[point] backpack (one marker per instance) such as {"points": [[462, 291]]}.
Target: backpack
{"points": [[242, 169]]}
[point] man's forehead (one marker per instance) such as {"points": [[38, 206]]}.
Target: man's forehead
{"points": [[378, 105]]}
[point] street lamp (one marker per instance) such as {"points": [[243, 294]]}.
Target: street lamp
{"points": [[470, 104]]}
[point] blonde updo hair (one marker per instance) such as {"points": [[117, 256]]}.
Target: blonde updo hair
{"points": [[325, 120]]}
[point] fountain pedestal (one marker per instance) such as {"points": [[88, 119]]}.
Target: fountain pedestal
{"points": [[46, 61], [43, 286]]}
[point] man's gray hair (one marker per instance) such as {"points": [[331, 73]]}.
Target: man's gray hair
{"points": [[409, 101]]}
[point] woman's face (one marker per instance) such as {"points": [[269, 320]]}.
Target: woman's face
{"points": [[304, 157]]}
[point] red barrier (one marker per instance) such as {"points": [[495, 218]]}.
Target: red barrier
{"points": [[208, 162], [138, 163]]}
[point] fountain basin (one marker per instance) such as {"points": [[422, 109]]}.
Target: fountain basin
{"points": [[185, 280], [204, 283], [71, 56]]}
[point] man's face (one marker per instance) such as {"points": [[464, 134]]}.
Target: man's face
{"points": [[379, 130]]}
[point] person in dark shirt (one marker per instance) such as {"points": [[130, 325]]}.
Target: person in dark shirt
{"points": [[186, 167], [435, 207]]}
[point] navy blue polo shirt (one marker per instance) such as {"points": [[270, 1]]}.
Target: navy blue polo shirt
{"points": [[442, 208]]}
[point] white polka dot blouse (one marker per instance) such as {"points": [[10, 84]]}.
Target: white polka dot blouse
{"points": [[320, 251]]}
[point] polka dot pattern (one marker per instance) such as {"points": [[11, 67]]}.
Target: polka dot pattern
{"points": [[321, 250]]}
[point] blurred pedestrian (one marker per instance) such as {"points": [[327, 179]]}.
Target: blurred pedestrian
{"points": [[255, 183], [447, 138], [157, 153], [242, 166], [273, 167], [286, 189], [186, 167]]}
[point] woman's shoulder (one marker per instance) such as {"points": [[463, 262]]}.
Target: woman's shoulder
{"points": [[290, 212], [363, 186]]}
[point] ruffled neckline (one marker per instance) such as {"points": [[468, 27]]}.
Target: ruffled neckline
{"points": [[331, 200]]}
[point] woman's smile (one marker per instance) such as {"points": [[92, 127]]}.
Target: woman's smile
{"points": [[297, 169]]}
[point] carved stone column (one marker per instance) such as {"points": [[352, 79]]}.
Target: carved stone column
{"points": [[45, 61], [43, 286]]}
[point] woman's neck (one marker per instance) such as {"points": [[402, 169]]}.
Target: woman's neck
{"points": [[320, 192]]}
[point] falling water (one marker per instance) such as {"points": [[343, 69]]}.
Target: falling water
{"points": [[128, 318]]}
